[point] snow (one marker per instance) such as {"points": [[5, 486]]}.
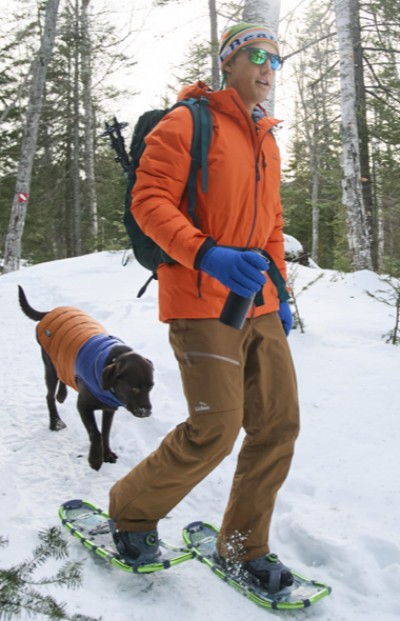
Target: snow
{"points": [[292, 245], [336, 517]]}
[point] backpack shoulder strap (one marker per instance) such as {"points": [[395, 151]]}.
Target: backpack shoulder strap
{"points": [[276, 278], [202, 133], [146, 122]]}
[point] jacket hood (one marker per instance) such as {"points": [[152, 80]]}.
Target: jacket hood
{"points": [[226, 100], [199, 89]]}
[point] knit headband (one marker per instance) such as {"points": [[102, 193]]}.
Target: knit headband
{"points": [[243, 34]]}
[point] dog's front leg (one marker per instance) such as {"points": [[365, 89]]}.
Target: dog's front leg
{"points": [[96, 456], [107, 419]]}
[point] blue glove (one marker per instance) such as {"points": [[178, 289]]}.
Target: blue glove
{"points": [[240, 270], [286, 317]]}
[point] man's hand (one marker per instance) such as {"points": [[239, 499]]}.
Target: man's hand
{"points": [[286, 316], [240, 270]]}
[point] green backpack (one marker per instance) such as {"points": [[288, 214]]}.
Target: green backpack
{"points": [[145, 249]]}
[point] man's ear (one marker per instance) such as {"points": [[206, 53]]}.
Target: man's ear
{"points": [[227, 69], [227, 73]]}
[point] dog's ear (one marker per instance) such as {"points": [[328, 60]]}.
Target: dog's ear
{"points": [[109, 375]]}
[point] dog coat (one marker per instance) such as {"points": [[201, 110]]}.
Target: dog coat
{"points": [[72, 339], [90, 363]]}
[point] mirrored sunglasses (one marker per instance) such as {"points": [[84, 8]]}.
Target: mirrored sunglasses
{"points": [[259, 56]]}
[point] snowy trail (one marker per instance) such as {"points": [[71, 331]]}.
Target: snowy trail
{"points": [[336, 517]]}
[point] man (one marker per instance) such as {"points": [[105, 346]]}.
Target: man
{"points": [[232, 379]]}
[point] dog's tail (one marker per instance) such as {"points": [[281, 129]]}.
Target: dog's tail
{"points": [[27, 308]]}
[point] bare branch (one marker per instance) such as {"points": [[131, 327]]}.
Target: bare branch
{"points": [[307, 45]]}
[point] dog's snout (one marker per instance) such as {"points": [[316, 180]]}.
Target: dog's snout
{"points": [[142, 412]]}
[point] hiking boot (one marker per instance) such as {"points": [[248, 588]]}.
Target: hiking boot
{"points": [[137, 547], [268, 571]]}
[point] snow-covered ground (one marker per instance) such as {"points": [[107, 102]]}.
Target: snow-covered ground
{"points": [[337, 516]]}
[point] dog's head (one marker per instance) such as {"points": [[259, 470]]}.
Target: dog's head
{"points": [[130, 377]]}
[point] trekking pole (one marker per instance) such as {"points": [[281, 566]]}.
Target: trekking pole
{"points": [[113, 131], [117, 141]]}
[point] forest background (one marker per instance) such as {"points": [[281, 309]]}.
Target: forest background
{"points": [[341, 164]]}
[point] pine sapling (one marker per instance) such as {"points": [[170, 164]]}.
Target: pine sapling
{"points": [[21, 588], [292, 276], [391, 297]]}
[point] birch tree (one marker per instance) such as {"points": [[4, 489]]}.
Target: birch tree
{"points": [[12, 252], [75, 160], [264, 12], [212, 8], [358, 231], [363, 131], [89, 123]]}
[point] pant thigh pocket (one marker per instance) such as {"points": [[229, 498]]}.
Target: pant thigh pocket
{"points": [[212, 383]]}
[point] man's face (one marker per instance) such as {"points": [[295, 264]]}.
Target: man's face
{"points": [[252, 82]]}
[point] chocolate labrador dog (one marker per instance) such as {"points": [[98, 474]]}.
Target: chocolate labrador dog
{"points": [[78, 352]]}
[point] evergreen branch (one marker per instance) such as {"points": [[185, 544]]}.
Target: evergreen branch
{"points": [[34, 604], [19, 591], [69, 575], [53, 543], [53, 546]]}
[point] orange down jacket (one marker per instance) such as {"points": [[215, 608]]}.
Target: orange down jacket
{"points": [[241, 208], [62, 333]]}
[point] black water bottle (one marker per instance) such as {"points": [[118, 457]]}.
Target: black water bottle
{"points": [[236, 307], [235, 310]]}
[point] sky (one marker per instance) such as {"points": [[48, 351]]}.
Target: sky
{"points": [[337, 515], [161, 44], [159, 41]]}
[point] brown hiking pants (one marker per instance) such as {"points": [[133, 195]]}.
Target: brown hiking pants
{"points": [[232, 379]]}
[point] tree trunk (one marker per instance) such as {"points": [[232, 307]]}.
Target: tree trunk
{"points": [[363, 133], [12, 251], [89, 125], [264, 12], [311, 122], [353, 199], [215, 78], [314, 159], [76, 180]]}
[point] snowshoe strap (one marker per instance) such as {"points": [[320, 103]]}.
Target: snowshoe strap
{"points": [[276, 569], [275, 578]]}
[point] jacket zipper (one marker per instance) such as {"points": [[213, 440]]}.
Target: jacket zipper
{"points": [[257, 180], [257, 169]]}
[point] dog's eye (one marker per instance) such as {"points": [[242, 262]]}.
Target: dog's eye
{"points": [[135, 391]]}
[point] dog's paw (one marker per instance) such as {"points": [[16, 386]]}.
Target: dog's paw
{"points": [[96, 457], [110, 457], [95, 465], [57, 425]]}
